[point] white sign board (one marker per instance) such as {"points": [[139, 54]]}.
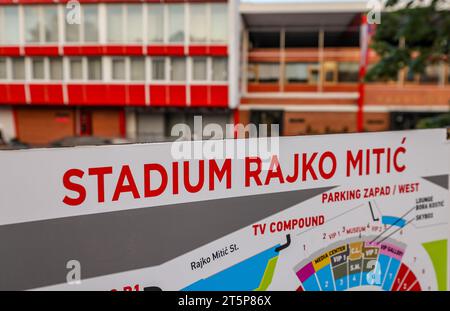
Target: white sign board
{"points": [[333, 212]]}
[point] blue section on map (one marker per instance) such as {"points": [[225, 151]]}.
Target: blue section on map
{"points": [[391, 273], [245, 275], [364, 279], [383, 262], [394, 221], [342, 283], [326, 279], [311, 284], [355, 279]]}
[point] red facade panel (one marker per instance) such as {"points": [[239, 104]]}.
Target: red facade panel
{"points": [[199, 95], [83, 50], [116, 95], [98, 50], [210, 50], [76, 95], [12, 94], [158, 95], [41, 50], [169, 50], [136, 95], [218, 50], [9, 51], [177, 95], [46, 94], [219, 96]]}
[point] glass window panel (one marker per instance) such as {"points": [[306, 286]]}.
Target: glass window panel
{"points": [[115, 22], [251, 73], [10, 25], [118, 69], [2, 26], [268, 72], [56, 70], [348, 72], [3, 73], [72, 32], [199, 70], [134, 23], [158, 69], [176, 23], [18, 68], [198, 23], [90, 23], [431, 74], [178, 69], [38, 68], [219, 22], [51, 23], [137, 67], [76, 69], [448, 74], [295, 72], [32, 31], [94, 68], [220, 69], [155, 22]]}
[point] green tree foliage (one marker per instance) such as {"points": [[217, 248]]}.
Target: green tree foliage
{"points": [[412, 35]]}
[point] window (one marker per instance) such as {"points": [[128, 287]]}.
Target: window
{"points": [[118, 69], [348, 72], [297, 72], [219, 22], [18, 68], [76, 69], [267, 72], [90, 23], [264, 39], [198, 23], [137, 68], [158, 69], [134, 22], [115, 22], [219, 69], [9, 24], [3, 72], [56, 68], [51, 23], [74, 32], [38, 68], [301, 38], [94, 68], [199, 69], [448, 74], [178, 69], [176, 23], [431, 74], [155, 23], [41, 24], [32, 27]]}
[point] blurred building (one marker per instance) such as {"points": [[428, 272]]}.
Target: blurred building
{"points": [[135, 68], [127, 69], [301, 68]]}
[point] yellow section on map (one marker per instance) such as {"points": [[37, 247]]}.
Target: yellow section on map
{"points": [[337, 250], [321, 261], [355, 250]]}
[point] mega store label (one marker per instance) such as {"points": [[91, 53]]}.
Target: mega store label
{"points": [[334, 212]]}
